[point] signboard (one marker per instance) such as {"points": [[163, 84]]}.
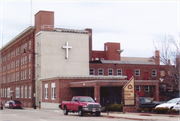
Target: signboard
{"points": [[128, 92]]}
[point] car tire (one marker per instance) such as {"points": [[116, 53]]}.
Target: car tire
{"points": [[80, 112], [98, 113], [65, 111]]}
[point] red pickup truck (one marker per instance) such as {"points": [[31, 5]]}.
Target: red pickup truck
{"points": [[81, 104]]}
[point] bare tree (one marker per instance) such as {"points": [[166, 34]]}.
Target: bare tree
{"points": [[169, 52]]}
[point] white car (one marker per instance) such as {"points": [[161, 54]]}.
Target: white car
{"points": [[171, 104], [7, 104]]}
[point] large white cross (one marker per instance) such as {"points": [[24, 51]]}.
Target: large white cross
{"points": [[66, 47]]}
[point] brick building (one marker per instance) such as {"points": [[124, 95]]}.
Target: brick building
{"points": [[48, 65]]}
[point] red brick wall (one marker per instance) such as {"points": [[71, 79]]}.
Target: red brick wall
{"points": [[110, 50], [132, 67], [26, 82], [44, 18]]}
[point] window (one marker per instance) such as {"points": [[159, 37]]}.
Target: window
{"points": [[29, 44], [17, 92], [137, 72], [21, 91], [24, 74], [5, 92], [163, 73], [52, 90], [29, 91], [138, 88], [91, 71], [25, 92], [29, 73], [146, 88], [154, 73], [46, 91], [8, 92], [110, 72], [25, 59], [29, 57], [100, 72], [119, 72]]}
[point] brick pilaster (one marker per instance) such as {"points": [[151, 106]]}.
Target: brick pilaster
{"points": [[97, 93]]}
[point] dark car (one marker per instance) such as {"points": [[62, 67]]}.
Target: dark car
{"points": [[1, 106], [147, 103], [15, 104]]}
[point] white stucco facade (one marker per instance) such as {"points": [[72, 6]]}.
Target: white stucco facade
{"points": [[51, 58]]}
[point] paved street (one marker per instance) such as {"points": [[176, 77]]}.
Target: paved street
{"points": [[48, 115]]}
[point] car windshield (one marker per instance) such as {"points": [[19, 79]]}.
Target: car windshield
{"points": [[144, 100], [173, 100], [86, 99], [17, 102]]}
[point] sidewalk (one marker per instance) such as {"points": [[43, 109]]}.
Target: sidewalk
{"points": [[143, 116]]}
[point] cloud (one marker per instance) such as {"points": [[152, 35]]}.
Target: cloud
{"points": [[133, 24]]}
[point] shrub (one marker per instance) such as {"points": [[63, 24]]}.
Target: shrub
{"points": [[172, 111], [113, 107], [146, 109], [162, 110], [153, 110], [139, 110]]}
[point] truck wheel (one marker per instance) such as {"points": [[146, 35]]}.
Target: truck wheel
{"points": [[98, 113], [80, 112], [65, 111]]}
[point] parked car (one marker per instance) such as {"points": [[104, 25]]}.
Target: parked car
{"points": [[145, 102], [1, 106], [171, 104], [81, 104], [15, 104], [6, 105]]}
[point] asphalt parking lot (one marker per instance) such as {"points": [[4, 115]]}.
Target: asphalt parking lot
{"points": [[49, 115]]}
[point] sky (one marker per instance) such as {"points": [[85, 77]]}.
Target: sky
{"points": [[137, 26]]}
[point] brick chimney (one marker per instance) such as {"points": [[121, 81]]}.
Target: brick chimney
{"points": [[44, 20], [157, 57]]}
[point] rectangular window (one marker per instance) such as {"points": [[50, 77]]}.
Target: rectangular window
{"points": [[138, 88], [110, 72], [5, 93], [25, 59], [163, 73], [21, 91], [146, 88], [119, 72], [100, 72], [52, 90], [29, 73], [8, 92], [91, 71], [29, 44], [24, 74], [46, 91], [29, 91], [29, 57], [137, 72], [17, 92], [25, 92], [154, 73]]}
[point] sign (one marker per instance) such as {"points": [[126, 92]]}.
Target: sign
{"points": [[128, 92]]}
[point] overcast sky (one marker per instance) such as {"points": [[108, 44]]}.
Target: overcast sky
{"points": [[133, 24]]}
